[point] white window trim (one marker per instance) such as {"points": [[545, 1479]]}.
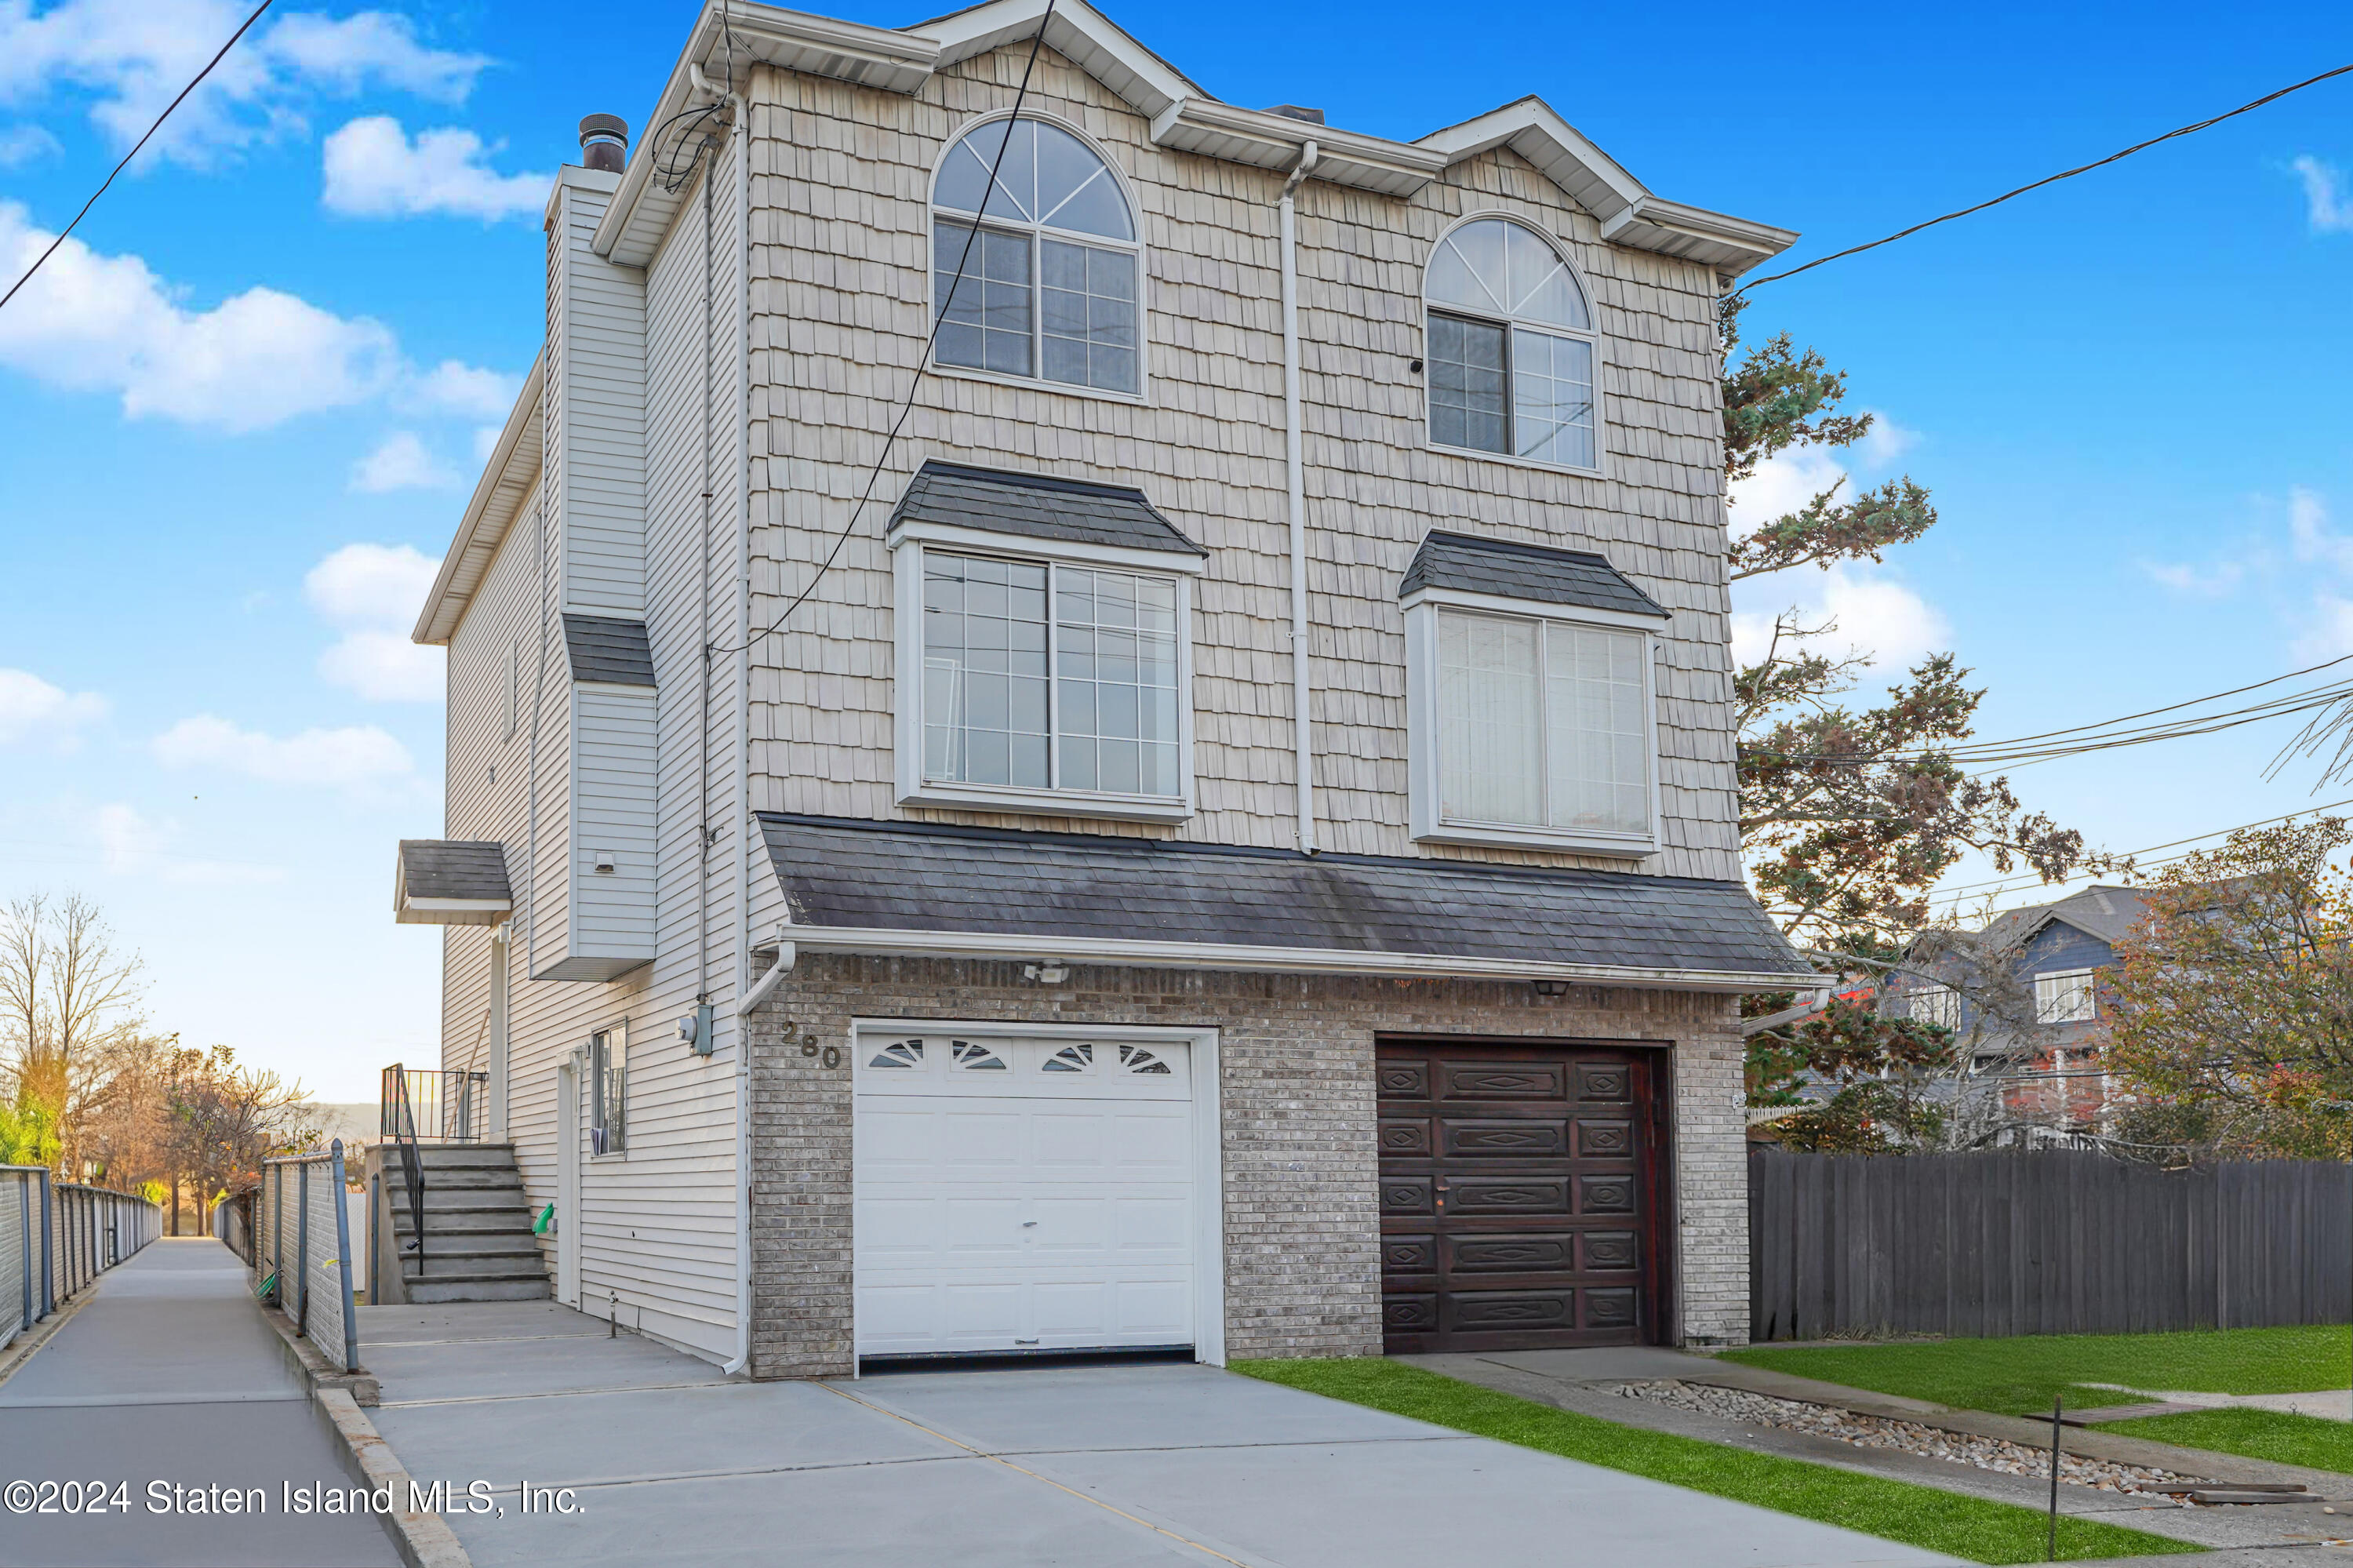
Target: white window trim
{"points": [[908, 542], [594, 1087], [1593, 335], [2091, 991], [1208, 1147], [1424, 787], [1142, 396]]}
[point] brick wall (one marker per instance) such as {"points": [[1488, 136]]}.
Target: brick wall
{"points": [[1303, 1264]]}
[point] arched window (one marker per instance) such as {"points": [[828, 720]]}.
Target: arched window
{"points": [[1049, 288], [1511, 347]]}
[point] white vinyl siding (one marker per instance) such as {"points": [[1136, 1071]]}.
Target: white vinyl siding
{"points": [[595, 415]]}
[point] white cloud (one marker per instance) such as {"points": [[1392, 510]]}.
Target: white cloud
{"points": [[2329, 634], [31, 709], [400, 461], [131, 845], [129, 56], [464, 390], [1782, 483], [486, 442], [374, 592], [1886, 444], [375, 170], [2309, 532], [23, 144], [2329, 207], [1867, 611], [359, 757], [2215, 579], [108, 324]]}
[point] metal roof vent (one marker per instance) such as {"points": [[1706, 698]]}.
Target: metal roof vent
{"points": [[1293, 111], [604, 142]]}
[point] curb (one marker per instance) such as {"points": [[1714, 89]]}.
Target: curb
{"points": [[423, 1540], [28, 1342], [323, 1375]]}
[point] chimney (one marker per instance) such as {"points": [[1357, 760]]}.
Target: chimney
{"points": [[1293, 111], [604, 142]]}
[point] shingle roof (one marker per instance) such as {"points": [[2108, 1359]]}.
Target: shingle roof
{"points": [[838, 873], [454, 868], [1039, 507], [1509, 569], [608, 649], [2101, 910]]}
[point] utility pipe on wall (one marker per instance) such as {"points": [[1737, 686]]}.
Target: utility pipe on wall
{"points": [[1302, 739]]}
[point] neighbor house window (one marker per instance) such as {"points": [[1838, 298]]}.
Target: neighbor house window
{"points": [[1543, 724], [1049, 274], [609, 1090], [1939, 1004], [1051, 676], [1511, 347], [2064, 996]]}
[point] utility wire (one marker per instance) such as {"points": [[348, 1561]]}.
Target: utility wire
{"points": [[2001, 881], [2053, 179], [118, 168], [916, 382]]}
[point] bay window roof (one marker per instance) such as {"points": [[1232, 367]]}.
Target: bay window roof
{"points": [[1039, 506], [1540, 574]]}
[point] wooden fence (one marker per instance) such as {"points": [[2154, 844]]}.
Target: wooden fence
{"points": [[2051, 1242]]}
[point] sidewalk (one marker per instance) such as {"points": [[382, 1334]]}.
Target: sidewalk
{"points": [[166, 1374]]}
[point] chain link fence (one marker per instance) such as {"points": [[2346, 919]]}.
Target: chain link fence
{"points": [[303, 1250], [57, 1237]]}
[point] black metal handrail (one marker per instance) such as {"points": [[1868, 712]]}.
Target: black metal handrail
{"points": [[400, 1125], [443, 1106]]}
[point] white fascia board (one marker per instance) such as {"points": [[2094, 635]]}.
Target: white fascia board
{"points": [[1273, 961], [1730, 244], [484, 523], [1030, 547], [879, 58], [1541, 608], [1269, 141], [451, 911], [1077, 31]]}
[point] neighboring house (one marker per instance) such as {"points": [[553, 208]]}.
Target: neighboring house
{"points": [[1235, 848], [2047, 1054]]}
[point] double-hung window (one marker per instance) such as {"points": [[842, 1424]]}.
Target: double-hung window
{"points": [[1044, 284], [1529, 699], [1939, 1004], [609, 1090], [1511, 348]]}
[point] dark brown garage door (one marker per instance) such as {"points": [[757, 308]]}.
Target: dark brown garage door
{"points": [[1519, 1196]]}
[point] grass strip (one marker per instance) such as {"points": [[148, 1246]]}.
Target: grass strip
{"points": [[1894, 1510], [2273, 1435], [2019, 1376]]}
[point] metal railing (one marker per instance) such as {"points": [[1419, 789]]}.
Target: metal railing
{"points": [[57, 1237], [434, 1106], [400, 1120], [302, 1249]]}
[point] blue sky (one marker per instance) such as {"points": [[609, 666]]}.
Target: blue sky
{"points": [[2128, 394]]}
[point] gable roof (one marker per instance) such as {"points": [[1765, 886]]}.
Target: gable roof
{"points": [[1183, 114], [2102, 910], [1506, 568], [1038, 506]]}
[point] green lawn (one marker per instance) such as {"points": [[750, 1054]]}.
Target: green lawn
{"points": [[1894, 1510], [2018, 1376], [2258, 1434]]}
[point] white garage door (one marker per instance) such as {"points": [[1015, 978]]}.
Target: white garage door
{"points": [[1017, 1194]]}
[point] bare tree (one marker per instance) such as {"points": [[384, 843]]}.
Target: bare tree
{"points": [[66, 991]]}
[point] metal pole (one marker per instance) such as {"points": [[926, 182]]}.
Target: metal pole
{"points": [[278, 1229], [2052, 1550], [302, 1247], [48, 1252], [343, 1252]]}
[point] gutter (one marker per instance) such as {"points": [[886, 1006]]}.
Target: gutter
{"points": [[1301, 723], [1145, 954]]}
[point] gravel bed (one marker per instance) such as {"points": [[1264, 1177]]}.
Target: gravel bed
{"points": [[1911, 1437]]}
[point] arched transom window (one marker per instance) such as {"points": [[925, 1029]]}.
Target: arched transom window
{"points": [[1511, 347], [1049, 284]]}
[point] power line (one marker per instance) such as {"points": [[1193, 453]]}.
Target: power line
{"points": [[2002, 884], [2053, 179], [916, 382], [118, 168]]}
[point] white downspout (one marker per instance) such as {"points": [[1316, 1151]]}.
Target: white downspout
{"points": [[1302, 739]]}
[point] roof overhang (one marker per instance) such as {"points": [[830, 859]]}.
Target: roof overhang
{"points": [[1629, 214], [1237, 956], [444, 882], [1269, 141], [506, 483]]}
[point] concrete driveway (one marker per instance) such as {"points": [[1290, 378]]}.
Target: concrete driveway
{"points": [[1105, 1467]]}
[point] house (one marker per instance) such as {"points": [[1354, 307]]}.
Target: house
{"points": [[1218, 839], [2033, 1020]]}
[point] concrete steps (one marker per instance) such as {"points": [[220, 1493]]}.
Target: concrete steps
{"points": [[478, 1244]]}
